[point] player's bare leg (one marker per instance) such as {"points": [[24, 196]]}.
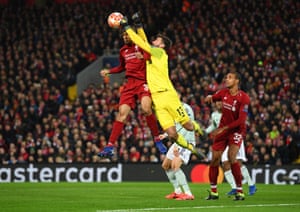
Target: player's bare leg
{"points": [[166, 165], [193, 125], [236, 171], [213, 175], [181, 178], [181, 141], [117, 129], [146, 104], [230, 179], [177, 177]]}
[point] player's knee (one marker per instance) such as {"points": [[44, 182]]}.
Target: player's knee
{"points": [[177, 162], [215, 162], [165, 166], [232, 160], [216, 159], [173, 136], [175, 169], [189, 126], [147, 111], [121, 117], [226, 165]]}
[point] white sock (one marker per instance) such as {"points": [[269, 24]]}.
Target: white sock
{"points": [[181, 179], [246, 175], [171, 175], [230, 179]]}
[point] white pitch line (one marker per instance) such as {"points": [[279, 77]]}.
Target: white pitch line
{"points": [[199, 207]]}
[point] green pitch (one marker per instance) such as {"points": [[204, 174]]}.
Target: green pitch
{"points": [[136, 197]]}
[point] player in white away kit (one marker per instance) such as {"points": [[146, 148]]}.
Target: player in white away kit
{"points": [[241, 155], [176, 156]]}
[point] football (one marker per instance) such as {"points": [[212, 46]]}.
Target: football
{"points": [[114, 19]]}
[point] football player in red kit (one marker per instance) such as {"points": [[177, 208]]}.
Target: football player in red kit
{"points": [[231, 131], [132, 61]]}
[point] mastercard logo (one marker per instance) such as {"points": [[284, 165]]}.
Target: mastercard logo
{"points": [[199, 174]]}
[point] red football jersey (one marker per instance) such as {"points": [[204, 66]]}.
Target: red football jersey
{"points": [[129, 63], [234, 110]]}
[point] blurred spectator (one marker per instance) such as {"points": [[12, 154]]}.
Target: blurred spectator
{"points": [[43, 48]]}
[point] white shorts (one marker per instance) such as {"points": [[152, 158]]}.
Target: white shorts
{"points": [[241, 155], [184, 153]]}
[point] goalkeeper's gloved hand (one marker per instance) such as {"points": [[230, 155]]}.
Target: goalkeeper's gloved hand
{"points": [[136, 18], [124, 23]]}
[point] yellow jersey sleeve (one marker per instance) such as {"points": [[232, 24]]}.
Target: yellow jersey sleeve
{"points": [[157, 67], [142, 34], [138, 40]]}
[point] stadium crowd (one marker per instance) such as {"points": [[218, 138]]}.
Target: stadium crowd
{"points": [[43, 48]]}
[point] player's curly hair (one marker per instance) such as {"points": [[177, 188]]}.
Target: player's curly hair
{"points": [[167, 41]]}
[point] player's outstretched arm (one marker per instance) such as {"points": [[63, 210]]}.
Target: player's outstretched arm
{"points": [[139, 26], [134, 36]]}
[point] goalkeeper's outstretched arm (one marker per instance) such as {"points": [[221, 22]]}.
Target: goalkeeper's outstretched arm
{"points": [[136, 17], [138, 40], [142, 34], [135, 37]]}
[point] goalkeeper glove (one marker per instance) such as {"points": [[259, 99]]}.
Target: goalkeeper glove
{"points": [[124, 23], [137, 20]]}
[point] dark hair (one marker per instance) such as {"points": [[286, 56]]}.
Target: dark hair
{"points": [[237, 76], [167, 41], [122, 30]]}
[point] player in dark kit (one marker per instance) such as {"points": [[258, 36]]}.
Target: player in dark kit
{"points": [[132, 61], [231, 132]]}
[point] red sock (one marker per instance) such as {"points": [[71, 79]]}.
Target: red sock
{"points": [[116, 131], [213, 177], [236, 172], [152, 124]]}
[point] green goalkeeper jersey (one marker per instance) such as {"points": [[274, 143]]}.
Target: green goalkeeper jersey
{"points": [[157, 66]]}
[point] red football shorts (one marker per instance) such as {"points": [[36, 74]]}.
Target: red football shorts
{"points": [[226, 139], [133, 89]]}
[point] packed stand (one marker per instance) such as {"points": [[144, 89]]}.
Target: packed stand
{"points": [[42, 50]]}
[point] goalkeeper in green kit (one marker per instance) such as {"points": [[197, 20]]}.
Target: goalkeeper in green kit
{"points": [[167, 104]]}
